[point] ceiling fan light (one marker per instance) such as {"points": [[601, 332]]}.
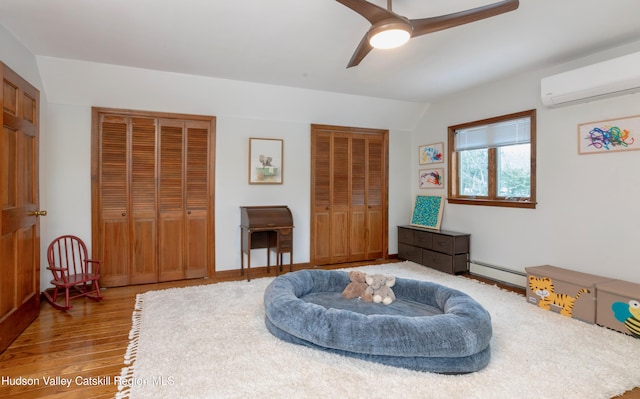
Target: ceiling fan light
{"points": [[389, 35]]}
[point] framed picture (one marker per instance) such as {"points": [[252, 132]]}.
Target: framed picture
{"points": [[431, 178], [265, 161], [431, 153], [609, 135], [427, 211]]}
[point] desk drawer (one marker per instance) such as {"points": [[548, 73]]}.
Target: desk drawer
{"points": [[285, 238]]}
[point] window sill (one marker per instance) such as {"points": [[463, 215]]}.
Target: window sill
{"points": [[490, 202]]}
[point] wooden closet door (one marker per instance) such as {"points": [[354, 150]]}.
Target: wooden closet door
{"points": [[111, 238], [348, 193], [376, 196], [321, 198], [171, 211], [358, 237], [368, 214], [198, 199], [143, 202], [330, 193], [19, 200], [340, 193], [153, 185]]}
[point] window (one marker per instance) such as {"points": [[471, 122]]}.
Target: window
{"points": [[492, 161]]}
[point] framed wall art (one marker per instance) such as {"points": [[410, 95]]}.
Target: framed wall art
{"points": [[431, 178], [609, 135], [427, 211], [265, 161], [431, 153]]}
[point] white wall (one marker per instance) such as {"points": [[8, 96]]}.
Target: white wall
{"points": [[587, 217], [243, 110]]}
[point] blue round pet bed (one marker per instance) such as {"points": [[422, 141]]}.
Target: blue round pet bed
{"points": [[429, 327]]}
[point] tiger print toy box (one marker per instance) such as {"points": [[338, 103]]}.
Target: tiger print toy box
{"points": [[618, 306], [567, 292]]}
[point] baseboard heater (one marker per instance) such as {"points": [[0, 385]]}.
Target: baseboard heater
{"points": [[499, 273]]}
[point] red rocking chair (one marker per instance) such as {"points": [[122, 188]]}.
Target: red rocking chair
{"points": [[72, 271]]}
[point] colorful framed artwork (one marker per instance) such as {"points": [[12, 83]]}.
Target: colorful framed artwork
{"points": [[431, 178], [427, 211], [431, 153], [265, 161], [609, 135]]}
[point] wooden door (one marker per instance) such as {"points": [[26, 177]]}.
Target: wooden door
{"points": [[321, 198], [185, 196], [143, 221], [376, 196], [330, 198], [171, 224], [20, 238], [110, 191], [198, 199], [348, 194], [153, 197]]}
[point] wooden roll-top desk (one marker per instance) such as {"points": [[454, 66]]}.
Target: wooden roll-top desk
{"points": [[269, 227]]}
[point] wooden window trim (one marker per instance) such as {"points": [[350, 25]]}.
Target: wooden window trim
{"points": [[453, 187]]}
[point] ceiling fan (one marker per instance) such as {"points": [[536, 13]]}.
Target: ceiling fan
{"points": [[389, 30]]}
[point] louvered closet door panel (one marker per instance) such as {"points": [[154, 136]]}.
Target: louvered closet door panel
{"points": [[340, 189], [113, 247], [358, 222], [198, 199], [376, 178], [321, 194], [171, 200], [144, 264]]}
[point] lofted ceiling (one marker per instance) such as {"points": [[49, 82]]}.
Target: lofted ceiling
{"points": [[308, 43]]}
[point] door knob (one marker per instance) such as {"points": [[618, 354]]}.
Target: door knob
{"points": [[37, 213]]}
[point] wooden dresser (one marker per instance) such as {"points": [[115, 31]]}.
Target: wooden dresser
{"points": [[269, 227], [447, 251]]}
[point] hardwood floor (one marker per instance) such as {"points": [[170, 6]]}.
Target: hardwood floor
{"points": [[88, 341]]}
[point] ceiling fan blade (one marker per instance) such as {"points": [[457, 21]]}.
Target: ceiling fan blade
{"points": [[371, 12], [434, 24], [361, 51]]}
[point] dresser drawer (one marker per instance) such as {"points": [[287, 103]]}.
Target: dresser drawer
{"points": [[450, 244], [409, 252], [405, 236], [422, 239], [442, 244], [437, 260]]}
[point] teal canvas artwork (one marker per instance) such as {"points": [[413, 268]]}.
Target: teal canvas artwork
{"points": [[427, 211]]}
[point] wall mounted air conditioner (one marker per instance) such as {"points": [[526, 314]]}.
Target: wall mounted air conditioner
{"points": [[605, 79]]}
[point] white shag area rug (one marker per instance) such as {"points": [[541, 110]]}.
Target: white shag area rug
{"points": [[210, 341]]}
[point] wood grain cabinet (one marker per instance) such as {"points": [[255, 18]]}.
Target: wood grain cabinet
{"points": [[447, 251]]}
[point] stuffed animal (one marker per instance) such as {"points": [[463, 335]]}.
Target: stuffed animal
{"points": [[357, 286], [379, 289]]}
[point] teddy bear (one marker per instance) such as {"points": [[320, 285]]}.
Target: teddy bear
{"points": [[379, 289], [357, 286]]}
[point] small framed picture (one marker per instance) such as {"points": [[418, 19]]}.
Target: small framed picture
{"points": [[611, 135], [431, 153], [265, 161], [431, 178]]}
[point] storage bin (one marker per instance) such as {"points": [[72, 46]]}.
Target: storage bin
{"points": [[568, 292], [618, 306]]}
